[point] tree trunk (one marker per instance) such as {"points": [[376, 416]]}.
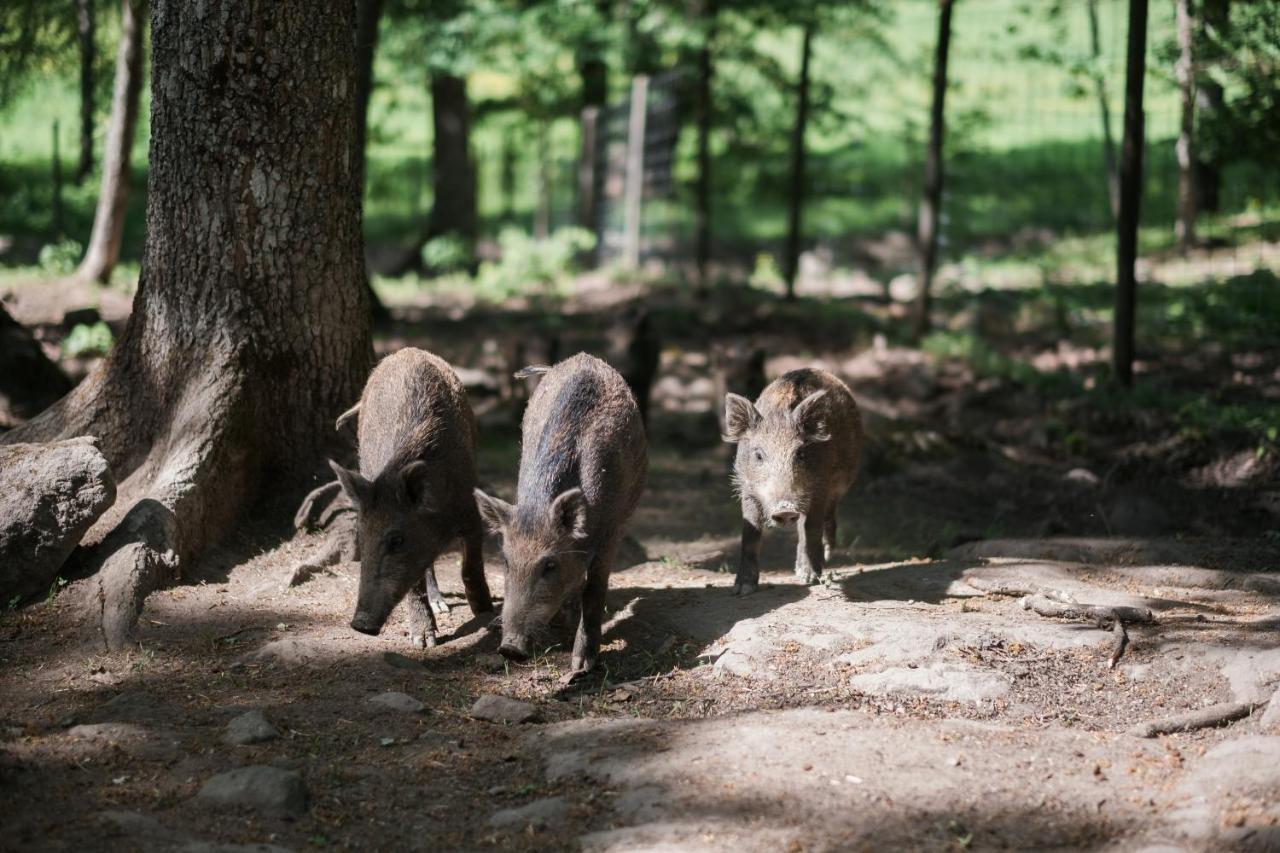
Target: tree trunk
{"points": [[1185, 227], [368, 13], [85, 42], [1130, 193], [249, 332], [108, 221], [542, 191], [594, 72], [1104, 110], [1215, 18], [931, 203], [795, 202], [702, 207], [453, 209]]}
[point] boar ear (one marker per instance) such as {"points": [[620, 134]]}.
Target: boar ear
{"points": [[808, 418], [569, 513], [740, 417], [496, 513], [414, 478], [356, 486]]}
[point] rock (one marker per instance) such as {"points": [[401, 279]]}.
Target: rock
{"points": [[1082, 477], [393, 701], [289, 653], [264, 789], [945, 681], [500, 709], [50, 494], [29, 381], [491, 662], [540, 814], [135, 741], [250, 727]]}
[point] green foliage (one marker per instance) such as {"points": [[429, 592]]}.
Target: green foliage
{"points": [[60, 258], [86, 340], [446, 253], [528, 264]]}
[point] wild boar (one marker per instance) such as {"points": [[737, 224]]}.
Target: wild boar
{"points": [[798, 448], [582, 469], [414, 491]]}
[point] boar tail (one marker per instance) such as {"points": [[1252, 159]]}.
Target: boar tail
{"points": [[346, 416], [531, 370]]}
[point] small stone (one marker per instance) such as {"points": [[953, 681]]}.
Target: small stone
{"points": [[250, 727], [393, 701], [491, 662], [265, 789], [500, 709], [539, 814], [1082, 477]]}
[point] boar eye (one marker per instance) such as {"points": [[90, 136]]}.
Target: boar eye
{"points": [[393, 541], [549, 565], [758, 455]]}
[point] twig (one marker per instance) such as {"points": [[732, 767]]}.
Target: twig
{"points": [[1214, 715], [1119, 645]]}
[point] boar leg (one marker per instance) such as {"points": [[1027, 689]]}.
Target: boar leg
{"points": [[749, 562], [422, 622], [809, 559], [473, 581], [434, 597], [829, 534], [586, 645]]}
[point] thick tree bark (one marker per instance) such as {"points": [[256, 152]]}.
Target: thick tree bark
{"points": [[1130, 193], [368, 13], [85, 43], [795, 201], [1185, 227], [453, 208], [249, 332], [931, 203], [702, 204], [1104, 110], [108, 221]]}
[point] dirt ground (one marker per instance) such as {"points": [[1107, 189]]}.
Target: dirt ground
{"points": [[910, 701]]}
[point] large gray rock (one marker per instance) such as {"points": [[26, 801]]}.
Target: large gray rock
{"points": [[50, 494], [250, 727], [265, 789]]}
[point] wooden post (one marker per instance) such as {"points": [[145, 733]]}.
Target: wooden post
{"points": [[634, 187], [57, 185], [931, 203], [1130, 193]]}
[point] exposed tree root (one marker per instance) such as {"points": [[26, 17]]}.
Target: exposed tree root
{"points": [[1061, 607], [1120, 643], [1203, 718]]}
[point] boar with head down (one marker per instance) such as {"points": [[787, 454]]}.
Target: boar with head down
{"points": [[414, 491], [798, 447], [582, 468]]}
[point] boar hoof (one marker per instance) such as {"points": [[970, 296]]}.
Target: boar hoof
{"points": [[809, 578], [424, 641], [745, 587]]}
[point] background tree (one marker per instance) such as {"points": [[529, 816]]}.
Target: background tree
{"points": [[108, 222], [931, 201], [249, 331], [1130, 193], [1185, 72], [88, 54]]}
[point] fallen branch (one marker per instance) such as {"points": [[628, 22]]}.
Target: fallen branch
{"points": [[1103, 617], [1119, 645], [1214, 715]]}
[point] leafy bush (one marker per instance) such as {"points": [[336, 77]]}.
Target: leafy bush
{"points": [[446, 253], [86, 339], [61, 258], [528, 264]]}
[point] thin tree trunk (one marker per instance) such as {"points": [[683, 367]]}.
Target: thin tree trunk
{"points": [[248, 333], [1185, 227], [542, 194], [1104, 110], [795, 205], [702, 207], [1130, 193], [453, 209], [113, 197], [368, 13], [594, 72], [1215, 19], [931, 203], [56, 161], [85, 42]]}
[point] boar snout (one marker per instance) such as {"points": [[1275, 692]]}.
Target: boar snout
{"points": [[785, 513], [366, 624], [515, 648]]}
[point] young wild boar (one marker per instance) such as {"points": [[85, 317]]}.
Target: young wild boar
{"points": [[582, 469], [798, 451], [413, 492]]}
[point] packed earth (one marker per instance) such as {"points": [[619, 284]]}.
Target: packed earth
{"points": [[1016, 621]]}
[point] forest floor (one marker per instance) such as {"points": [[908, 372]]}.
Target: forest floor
{"points": [[909, 701]]}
